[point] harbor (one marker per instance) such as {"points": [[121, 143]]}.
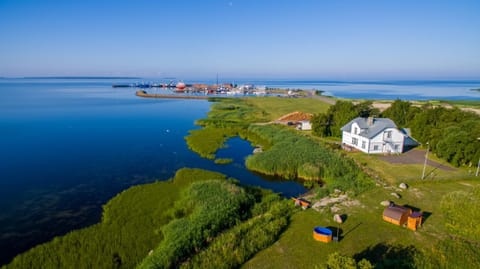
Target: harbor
{"points": [[198, 89]]}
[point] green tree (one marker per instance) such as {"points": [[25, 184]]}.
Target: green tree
{"points": [[321, 124], [337, 261], [399, 112]]}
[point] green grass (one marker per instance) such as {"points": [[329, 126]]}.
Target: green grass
{"points": [[203, 211], [223, 160], [463, 103], [275, 107], [362, 229], [207, 141]]}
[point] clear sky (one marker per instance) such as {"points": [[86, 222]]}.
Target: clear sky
{"points": [[318, 39]]}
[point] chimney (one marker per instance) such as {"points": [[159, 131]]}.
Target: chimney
{"points": [[370, 121]]}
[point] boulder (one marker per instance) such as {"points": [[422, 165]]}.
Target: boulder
{"points": [[385, 203], [337, 218], [403, 186], [396, 195]]}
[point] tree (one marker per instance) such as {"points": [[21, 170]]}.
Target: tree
{"points": [[337, 261], [321, 124], [329, 123], [399, 112]]}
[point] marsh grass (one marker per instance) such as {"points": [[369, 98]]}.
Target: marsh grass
{"points": [[223, 161], [127, 232]]}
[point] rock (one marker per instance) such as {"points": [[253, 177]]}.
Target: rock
{"points": [[337, 218], [257, 150], [385, 203], [396, 195], [334, 209], [337, 191], [403, 186]]}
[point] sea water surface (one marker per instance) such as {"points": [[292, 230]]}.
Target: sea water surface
{"points": [[69, 145]]}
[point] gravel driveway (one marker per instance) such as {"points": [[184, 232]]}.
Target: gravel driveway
{"points": [[414, 156]]}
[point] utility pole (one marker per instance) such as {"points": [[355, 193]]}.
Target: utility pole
{"points": [[425, 163], [478, 165]]}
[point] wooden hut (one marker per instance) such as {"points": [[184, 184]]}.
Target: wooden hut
{"points": [[397, 215], [414, 220], [301, 202]]}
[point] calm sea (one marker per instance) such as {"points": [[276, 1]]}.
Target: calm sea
{"points": [[68, 146]]}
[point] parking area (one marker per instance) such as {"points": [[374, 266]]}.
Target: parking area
{"points": [[414, 156]]}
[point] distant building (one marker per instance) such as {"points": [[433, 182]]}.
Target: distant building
{"points": [[304, 125], [376, 135]]}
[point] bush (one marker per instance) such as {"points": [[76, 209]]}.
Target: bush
{"points": [[235, 246]]}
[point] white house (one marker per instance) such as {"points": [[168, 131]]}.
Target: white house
{"points": [[376, 135], [304, 125]]}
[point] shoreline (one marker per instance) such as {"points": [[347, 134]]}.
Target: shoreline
{"points": [[381, 105]]}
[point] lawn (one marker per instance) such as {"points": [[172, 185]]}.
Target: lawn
{"points": [[276, 107], [363, 228]]}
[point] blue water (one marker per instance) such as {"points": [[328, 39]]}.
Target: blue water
{"points": [[68, 146]]}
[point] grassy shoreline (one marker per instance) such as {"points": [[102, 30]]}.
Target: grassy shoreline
{"points": [[170, 224]]}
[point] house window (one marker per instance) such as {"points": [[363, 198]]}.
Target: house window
{"points": [[397, 147], [375, 147], [389, 134], [354, 141], [355, 130], [364, 143]]}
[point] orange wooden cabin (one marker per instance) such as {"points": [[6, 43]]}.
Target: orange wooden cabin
{"points": [[397, 215], [402, 216], [414, 221]]}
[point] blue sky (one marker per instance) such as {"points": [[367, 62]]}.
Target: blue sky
{"points": [[322, 39]]}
